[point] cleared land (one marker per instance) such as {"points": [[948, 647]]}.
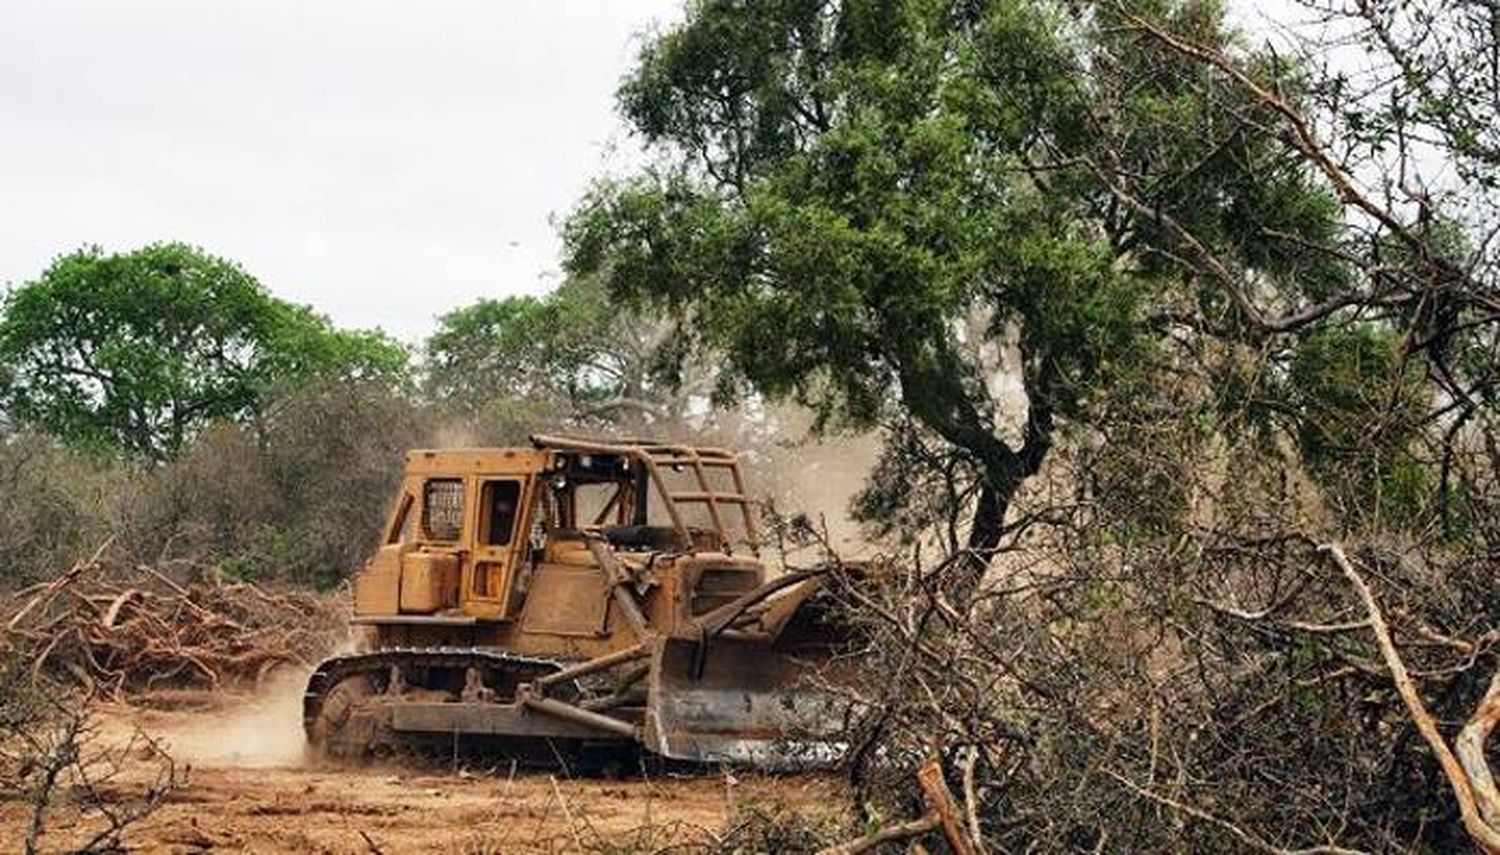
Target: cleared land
{"points": [[248, 789]]}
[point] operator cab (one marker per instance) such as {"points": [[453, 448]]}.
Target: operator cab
{"points": [[471, 528]]}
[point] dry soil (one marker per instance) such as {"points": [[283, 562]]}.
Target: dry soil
{"points": [[248, 789]]}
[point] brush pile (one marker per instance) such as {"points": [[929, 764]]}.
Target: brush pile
{"points": [[118, 629]]}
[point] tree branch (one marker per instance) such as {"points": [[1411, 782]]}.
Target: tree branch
{"points": [[1485, 835]]}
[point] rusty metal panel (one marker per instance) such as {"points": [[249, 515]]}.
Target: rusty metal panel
{"points": [[566, 600], [481, 719], [709, 581], [739, 702]]}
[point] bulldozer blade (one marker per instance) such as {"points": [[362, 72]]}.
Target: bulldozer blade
{"points": [[735, 701]]}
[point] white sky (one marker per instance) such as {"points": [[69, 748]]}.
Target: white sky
{"points": [[382, 161]]}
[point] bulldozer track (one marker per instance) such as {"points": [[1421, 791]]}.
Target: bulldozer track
{"points": [[334, 670]]}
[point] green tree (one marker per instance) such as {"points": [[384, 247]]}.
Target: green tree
{"points": [[1360, 406], [570, 354], [873, 207], [136, 351]]}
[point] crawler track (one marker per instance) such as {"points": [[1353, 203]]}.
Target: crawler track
{"points": [[345, 709]]}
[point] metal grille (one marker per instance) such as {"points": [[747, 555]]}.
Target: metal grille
{"points": [[443, 508]]}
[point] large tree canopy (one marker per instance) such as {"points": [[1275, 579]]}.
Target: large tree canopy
{"points": [[872, 206], [136, 351]]}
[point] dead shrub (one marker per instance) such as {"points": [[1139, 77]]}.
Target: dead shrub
{"points": [[73, 780], [1209, 680], [296, 497], [59, 504]]}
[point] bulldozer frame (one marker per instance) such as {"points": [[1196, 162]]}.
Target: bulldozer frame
{"points": [[663, 633]]}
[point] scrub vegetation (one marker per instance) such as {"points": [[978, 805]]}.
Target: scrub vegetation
{"points": [[1182, 350]]}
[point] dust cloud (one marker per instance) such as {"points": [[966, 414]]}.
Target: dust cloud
{"points": [[819, 479], [262, 730]]}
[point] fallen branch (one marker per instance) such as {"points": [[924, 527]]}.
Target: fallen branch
{"points": [[1469, 746], [58, 584], [122, 629], [889, 834], [940, 802], [942, 815], [1483, 833], [1246, 839]]}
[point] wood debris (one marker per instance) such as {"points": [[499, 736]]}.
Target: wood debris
{"points": [[119, 629]]}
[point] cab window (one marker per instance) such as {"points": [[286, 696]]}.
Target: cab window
{"points": [[501, 502], [443, 508]]}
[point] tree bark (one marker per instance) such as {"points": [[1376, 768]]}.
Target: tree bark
{"points": [[1004, 474]]}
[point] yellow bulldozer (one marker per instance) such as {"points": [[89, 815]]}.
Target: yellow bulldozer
{"points": [[578, 594]]}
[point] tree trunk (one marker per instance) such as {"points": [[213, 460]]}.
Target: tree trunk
{"points": [[1004, 473], [987, 527], [941, 404], [985, 530]]}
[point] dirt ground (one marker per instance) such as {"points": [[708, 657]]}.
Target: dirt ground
{"points": [[248, 789]]}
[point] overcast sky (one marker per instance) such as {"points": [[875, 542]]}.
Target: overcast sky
{"points": [[383, 161]]}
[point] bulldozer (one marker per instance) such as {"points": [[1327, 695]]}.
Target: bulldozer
{"points": [[579, 595]]}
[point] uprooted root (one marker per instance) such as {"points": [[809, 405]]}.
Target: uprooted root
{"points": [[117, 629]]}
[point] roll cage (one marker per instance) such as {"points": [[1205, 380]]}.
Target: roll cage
{"points": [[713, 482]]}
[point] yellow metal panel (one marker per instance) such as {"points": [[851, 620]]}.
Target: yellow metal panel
{"points": [[476, 461], [377, 587], [428, 580]]}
